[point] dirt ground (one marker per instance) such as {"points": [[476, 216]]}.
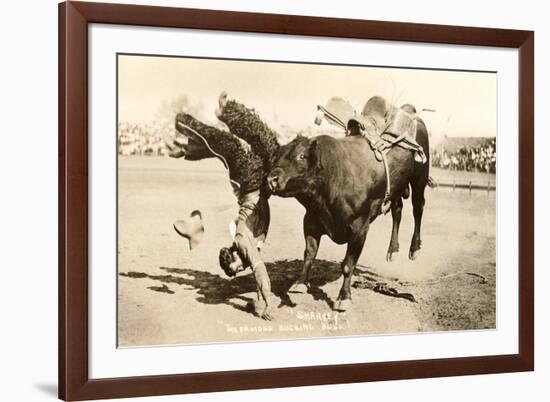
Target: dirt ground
{"points": [[168, 294]]}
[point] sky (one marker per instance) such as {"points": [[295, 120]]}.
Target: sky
{"points": [[288, 93]]}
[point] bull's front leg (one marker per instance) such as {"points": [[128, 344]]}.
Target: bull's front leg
{"points": [[312, 233], [355, 247]]}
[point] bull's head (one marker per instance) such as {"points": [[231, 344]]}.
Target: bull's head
{"points": [[187, 143], [294, 171]]}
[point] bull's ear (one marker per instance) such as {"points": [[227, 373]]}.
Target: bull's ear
{"points": [[314, 153]]}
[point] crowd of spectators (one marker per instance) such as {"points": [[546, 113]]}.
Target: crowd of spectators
{"points": [[477, 158], [142, 139], [148, 139]]}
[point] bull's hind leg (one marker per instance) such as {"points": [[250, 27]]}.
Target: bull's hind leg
{"points": [[355, 247], [312, 233], [396, 209], [418, 202]]}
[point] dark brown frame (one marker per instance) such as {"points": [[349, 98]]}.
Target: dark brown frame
{"points": [[74, 383]]}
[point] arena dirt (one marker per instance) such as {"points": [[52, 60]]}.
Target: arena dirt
{"points": [[168, 294]]}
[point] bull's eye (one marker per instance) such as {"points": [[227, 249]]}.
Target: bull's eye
{"points": [[301, 157]]}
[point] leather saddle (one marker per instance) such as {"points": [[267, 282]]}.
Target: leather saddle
{"points": [[382, 124]]}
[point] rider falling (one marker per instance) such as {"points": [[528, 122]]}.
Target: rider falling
{"points": [[248, 169]]}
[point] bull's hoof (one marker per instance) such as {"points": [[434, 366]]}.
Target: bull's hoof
{"points": [[413, 254], [391, 256], [342, 305], [298, 287]]}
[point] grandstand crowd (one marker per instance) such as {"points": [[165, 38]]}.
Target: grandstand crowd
{"points": [[148, 139], [472, 158], [142, 139]]}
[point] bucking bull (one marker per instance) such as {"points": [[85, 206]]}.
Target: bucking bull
{"points": [[345, 183]]}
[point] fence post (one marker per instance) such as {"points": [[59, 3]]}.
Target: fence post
{"points": [[470, 186]]}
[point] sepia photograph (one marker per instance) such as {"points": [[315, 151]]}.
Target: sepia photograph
{"points": [[270, 200]]}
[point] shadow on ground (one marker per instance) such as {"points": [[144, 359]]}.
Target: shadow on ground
{"points": [[215, 289]]}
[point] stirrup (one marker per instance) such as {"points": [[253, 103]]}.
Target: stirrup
{"points": [[387, 201]]}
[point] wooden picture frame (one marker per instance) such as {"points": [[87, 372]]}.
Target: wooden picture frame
{"points": [[74, 381]]}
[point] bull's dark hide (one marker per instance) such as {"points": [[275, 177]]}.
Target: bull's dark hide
{"points": [[342, 186], [339, 180]]}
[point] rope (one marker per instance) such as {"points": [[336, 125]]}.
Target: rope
{"points": [[437, 280], [386, 202], [379, 283]]}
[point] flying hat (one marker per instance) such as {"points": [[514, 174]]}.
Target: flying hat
{"points": [[191, 228]]}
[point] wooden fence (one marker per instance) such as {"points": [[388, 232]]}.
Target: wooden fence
{"points": [[468, 186]]}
